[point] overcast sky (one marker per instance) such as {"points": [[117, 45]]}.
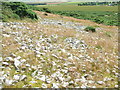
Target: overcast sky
{"points": [[57, 0]]}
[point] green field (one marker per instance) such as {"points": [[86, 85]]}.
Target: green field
{"points": [[69, 3], [107, 15], [80, 8]]}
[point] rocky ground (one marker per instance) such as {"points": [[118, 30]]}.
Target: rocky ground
{"points": [[56, 52]]}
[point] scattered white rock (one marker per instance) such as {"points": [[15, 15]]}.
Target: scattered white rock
{"points": [[42, 78], [5, 63], [9, 59], [48, 80], [27, 65], [23, 77], [23, 61], [65, 84], [100, 82], [116, 86], [68, 78], [19, 57], [93, 86], [6, 35], [8, 82], [17, 63], [55, 85], [71, 82], [16, 77], [33, 81], [44, 85], [1, 59]]}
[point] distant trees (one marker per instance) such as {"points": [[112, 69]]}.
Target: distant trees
{"points": [[98, 3], [37, 4]]}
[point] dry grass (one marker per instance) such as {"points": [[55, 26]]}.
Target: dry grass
{"points": [[99, 43]]}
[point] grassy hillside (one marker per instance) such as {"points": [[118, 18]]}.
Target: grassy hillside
{"points": [[107, 15], [57, 52], [16, 10]]}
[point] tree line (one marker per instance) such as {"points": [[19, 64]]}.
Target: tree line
{"points": [[98, 3]]}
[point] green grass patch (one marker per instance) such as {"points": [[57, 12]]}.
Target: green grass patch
{"points": [[108, 34], [16, 10], [98, 47]]}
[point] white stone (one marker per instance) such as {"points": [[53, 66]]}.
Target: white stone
{"points": [[37, 52], [23, 47], [8, 82], [83, 86], [34, 67], [1, 59], [83, 79], [64, 84], [93, 86], [44, 85], [5, 63], [34, 73], [39, 73], [55, 85], [53, 75], [63, 50], [17, 63], [71, 82], [100, 82], [90, 81], [9, 59], [65, 71], [2, 72], [48, 80], [33, 81], [42, 78], [68, 78], [2, 78], [23, 77], [23, 60], [53, 63], [6, 35], [16, 77], [61, 78], [116, 86], [77, 80], [38, 55], [18, 58], [27, 65]]}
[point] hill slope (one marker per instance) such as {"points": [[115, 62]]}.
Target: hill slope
{"points": [[56, 52]]}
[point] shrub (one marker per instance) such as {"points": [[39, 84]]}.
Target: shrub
{"points": [[98, 20], [46, 10], [17, 10], [89, 28], [15, 16], [31, 14], [98, 47], [4, 18]]}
